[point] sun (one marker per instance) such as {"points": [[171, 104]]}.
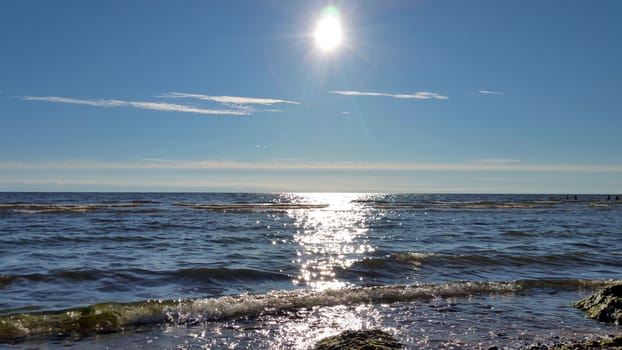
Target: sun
{"points": [[328, 33]]}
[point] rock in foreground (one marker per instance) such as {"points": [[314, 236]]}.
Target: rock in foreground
{"points": [[605, 306], [609, 344], [359, 340]]}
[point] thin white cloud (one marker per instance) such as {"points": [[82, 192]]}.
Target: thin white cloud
{"points": [[236, 100], [156, 106], [421, 95], [154, 164], [97, 103], [490, 92], [496, 161]]}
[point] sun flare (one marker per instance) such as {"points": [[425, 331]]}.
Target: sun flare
{"points": [[328, 33]]}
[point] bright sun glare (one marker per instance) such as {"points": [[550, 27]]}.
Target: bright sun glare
{"points": [[328, 31]]}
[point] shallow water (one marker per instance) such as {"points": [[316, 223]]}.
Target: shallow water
{"points": [[272, 271]]}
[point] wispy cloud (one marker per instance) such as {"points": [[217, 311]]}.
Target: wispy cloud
{"points": [[155, 164], [156, 106], [421, 95], [496, 161], [236, 100], [230, 105], [490, 92]]}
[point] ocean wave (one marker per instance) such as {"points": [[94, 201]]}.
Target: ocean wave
{"points": [[61, 275], [73, 238], [487, 204], [139, 275], [226, 274], [396, 263], [252, 207], [39, 208], [518, 233], [493, 258], [144, 201], [467, 205], [114, 317], [386, 265]]}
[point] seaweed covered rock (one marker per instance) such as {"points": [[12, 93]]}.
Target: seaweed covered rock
{"points": [[359, 340], [605, 306], [609, 344]]}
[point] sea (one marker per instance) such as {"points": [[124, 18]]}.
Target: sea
{"points": [[283, 270]]}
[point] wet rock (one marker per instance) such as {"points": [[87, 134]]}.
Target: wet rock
{"points": [[605, 306], [360, 340], [610, 344]]}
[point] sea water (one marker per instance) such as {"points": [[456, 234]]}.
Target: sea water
{"points": [[281, 271]]}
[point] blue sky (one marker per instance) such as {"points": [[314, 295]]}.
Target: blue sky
{"points": [[420, 96]]}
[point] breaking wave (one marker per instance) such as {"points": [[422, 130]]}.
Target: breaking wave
{"points": [[114, 317]]}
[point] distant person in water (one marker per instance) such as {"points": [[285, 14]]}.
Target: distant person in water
{"points": [[575, 198]]}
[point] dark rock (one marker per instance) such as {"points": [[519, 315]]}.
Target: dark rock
{"points": [[605, 306], [359, 340], [539, 347]]}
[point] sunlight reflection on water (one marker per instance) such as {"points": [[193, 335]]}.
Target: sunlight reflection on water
{"points": [[318, 323], [329, 238]]}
